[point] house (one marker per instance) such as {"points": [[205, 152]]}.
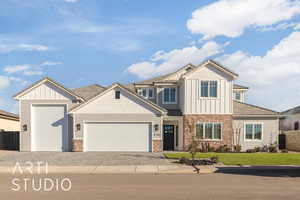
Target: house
{"points": [[9, 121], [162, 113], [290, 119]]}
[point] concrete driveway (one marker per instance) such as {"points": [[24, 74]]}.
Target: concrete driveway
{"points": [[8, 158]]}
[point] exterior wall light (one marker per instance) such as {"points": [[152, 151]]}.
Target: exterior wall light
{"points": [[24, 127], [78, 127]]}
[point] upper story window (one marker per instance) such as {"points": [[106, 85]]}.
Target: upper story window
{"points": [[170, 95], [117, 94], [209, 131], [253, 131], [146, 92], [209, 88], [237, 96]]}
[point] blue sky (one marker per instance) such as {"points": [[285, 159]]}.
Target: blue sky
{"points": [[81, 42]]}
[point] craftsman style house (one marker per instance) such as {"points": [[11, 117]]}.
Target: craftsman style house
{"points": [[164, 113]]}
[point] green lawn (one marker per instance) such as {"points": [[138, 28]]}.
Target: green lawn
{"points": [[245, 158]]}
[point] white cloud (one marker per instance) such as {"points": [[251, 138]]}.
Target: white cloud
{"points": [[231, 17], [50, 63], [32, 73], [4, 82], [281, 26], [163, 62], [11, 69], [274, 75], [6, 48], [71, 1]]}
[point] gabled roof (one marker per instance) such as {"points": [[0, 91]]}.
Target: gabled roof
{"points": [[8, 115], [291, 111], [163, 77], [216, 65], [244, 109], [146, 101], [44, 80], [240, 87], [88, 92]]}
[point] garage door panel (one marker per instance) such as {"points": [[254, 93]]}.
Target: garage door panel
{"points": [[49, 128], [117, 137]]}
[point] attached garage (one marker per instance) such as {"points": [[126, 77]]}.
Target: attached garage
{"points": [[49, 128], [117, 136]]}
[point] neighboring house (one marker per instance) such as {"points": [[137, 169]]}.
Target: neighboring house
{"points": [[9, 121], [162, 113], [290, 119]]}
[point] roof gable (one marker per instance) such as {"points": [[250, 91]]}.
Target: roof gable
{"points": [[46, 88], [213, 65], [130, 102]]}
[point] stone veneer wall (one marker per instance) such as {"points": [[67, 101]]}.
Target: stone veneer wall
{"points": [[189, 128], [292, 140], [77, 145], [157, 145]]}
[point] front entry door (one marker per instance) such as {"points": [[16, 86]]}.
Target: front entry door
{"points": [[169, 137]]}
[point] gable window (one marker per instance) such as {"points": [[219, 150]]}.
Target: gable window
{"points": [[209, 131], [253, 131], [117, 94], [170, 95], [146, 92], [237, 96], [209, 88]]}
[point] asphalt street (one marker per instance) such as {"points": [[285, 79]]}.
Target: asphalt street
{"points": [[225, 185]]}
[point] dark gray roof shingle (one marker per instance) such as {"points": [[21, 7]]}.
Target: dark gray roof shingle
{"points": [[89, 91], [240, 108]]}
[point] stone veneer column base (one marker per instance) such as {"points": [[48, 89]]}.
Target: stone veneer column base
{"points": [[189, 129], [157, 146], [77, 145]]}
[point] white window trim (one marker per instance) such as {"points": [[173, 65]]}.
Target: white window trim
{"points": [[209, 97], [212, 133], [140, 92], [163, 96], [235, 93], [262, 132]]}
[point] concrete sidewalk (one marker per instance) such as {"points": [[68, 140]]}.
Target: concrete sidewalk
{"points": [[120, 169]]}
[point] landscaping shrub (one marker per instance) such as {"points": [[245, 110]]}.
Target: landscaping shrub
{"points": [[257, 149], [250, 151], [237, 148], [273, 149], [214, 159], [223, 148]]}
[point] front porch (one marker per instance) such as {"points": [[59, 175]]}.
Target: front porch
{"points": [[172, 131]]}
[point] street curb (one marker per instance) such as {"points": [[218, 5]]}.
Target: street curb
{"points": [[101, 169]]}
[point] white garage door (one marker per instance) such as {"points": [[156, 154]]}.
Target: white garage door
{"points": [[49, 128], [117, 137]]}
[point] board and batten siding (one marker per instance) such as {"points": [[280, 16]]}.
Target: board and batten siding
{"points": [[46, 91], [195, 104]]}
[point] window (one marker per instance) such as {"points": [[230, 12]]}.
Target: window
{"points": [[209, 88], [237, 96], [209, 131], [117, 95], [296, 126], [146, 92], [170, 95], [253, 131]]}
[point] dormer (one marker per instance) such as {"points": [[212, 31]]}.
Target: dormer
{"points": [[239, 92]]}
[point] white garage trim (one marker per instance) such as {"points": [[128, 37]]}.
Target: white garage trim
{"points": [[32, 123], [149, 135]]}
